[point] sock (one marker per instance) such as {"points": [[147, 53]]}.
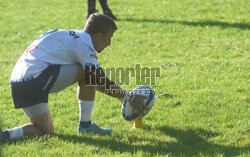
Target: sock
{"points": [[91, 5], [15, 133], [104, 4], [85, 110], [85, 124]]}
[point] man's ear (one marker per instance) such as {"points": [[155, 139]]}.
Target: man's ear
{"points": [[99, 34]]}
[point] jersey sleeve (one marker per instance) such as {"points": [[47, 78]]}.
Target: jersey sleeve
{"points": [[87, 57]]}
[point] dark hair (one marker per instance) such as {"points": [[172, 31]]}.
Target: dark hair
{"points": [[98, 22]]}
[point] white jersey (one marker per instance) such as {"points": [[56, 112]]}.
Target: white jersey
{"points": [[55, 47]]}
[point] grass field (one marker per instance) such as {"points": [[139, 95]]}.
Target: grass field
{"points": [[202, 48]]}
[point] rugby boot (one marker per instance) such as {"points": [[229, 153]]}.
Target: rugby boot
{"points": [[93, 128]]}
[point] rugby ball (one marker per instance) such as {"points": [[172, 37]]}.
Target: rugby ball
{"points": [[126, 108]]}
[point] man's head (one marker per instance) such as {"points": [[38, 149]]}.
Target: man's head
{"points": [[101, 29]]}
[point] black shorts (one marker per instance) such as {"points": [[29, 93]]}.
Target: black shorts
{"points": [[34, 91]]}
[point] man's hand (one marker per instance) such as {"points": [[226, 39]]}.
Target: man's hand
{"points": [[137, 104]]}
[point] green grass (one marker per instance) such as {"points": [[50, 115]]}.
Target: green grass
{"points": [[202, 47]]}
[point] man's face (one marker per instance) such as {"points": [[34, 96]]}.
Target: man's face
{"points": [[101, 41]]}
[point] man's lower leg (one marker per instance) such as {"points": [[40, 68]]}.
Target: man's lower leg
{"points": [[86, 96], [25, 130]]}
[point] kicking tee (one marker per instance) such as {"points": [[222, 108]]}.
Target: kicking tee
{"points": [[56, 47]]}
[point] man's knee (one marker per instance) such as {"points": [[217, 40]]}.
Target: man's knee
{"points": [[48, 131], [44, 123], [45, 131], [80, 76]]}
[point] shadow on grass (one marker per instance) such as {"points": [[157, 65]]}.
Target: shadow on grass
{"points": [[194, 142], [193, 23], [188, 143]]}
